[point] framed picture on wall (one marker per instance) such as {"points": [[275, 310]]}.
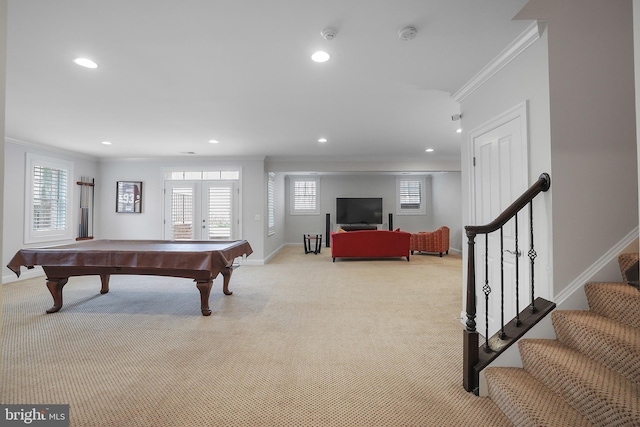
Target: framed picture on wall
{"points": [[129, 197]]}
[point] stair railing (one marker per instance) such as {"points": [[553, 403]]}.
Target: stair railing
{"points": [[474, 359]]}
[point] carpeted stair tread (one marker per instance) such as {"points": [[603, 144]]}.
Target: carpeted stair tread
{"points": [[528, 402], [617, 301], [603, 339], [601, 395]]}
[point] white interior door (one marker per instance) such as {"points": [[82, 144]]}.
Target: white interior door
{"points": [[500, 177], [201, 210]]}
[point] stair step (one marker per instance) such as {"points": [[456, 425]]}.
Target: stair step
{"points": [[617, 301], [604, 340], [601, 395], [528, 402]]}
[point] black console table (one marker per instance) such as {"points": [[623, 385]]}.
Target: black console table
{"points": [[308, 237]]}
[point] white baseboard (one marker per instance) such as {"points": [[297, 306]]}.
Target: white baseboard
{"points": [[610, 256]]}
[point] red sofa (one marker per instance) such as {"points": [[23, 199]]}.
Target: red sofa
{"points": [[370, 244]]}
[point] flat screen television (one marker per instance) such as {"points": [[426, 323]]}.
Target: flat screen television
{"points": [[359, 210]]}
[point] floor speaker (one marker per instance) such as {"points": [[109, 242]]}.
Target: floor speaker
{"points": [[327, 231]]}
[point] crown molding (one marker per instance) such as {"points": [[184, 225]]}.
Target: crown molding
{"points": [[519, 45], [49, 148]]}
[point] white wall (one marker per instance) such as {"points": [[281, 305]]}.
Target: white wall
{"points": [[3, 60], [447, 206], [14, 196], [274, 242], [593, 149]]}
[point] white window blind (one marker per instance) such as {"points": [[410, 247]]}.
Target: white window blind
{"points": [[304, 195], [220, 213], [49, 198], [410, 194], [271, 216]]}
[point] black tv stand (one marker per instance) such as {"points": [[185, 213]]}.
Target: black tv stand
{"points": [[356, 227]]}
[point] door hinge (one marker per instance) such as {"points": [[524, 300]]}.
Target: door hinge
{"points": [[474, 161]]}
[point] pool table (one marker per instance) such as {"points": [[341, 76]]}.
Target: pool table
{"points": [[201, 261]]}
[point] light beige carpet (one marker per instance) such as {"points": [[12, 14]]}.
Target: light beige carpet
{"points": [[301, 342]]}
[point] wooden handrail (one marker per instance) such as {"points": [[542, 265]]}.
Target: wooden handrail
{"points": [[473, 362], [542, 184]]}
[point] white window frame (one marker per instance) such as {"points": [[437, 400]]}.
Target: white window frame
{"points": [[292, 199], [38, 236], [227, 174], [420, 210], [271, 214]]}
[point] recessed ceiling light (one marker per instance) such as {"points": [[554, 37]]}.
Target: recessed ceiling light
{"points": [[459, 130], [320, 56], [429, 150], [85, 62], [323, 140], [106, 143], [214, 141]]}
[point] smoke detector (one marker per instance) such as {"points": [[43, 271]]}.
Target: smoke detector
{"points": [[407, 33], [329, 33]]}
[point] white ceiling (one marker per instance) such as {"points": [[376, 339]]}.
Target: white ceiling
{"points": [[174, 74]]}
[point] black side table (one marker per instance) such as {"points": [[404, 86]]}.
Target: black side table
{"points": [[307, 238]]}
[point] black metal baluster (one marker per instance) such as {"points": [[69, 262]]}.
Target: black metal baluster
{"points": [[517, 321], [471, 285], [487, 290], [532, 257], [502, 335]]}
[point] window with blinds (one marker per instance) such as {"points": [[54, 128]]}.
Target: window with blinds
{"points": [[49, 199], [411, 195], [304, 196], [271, 214]]}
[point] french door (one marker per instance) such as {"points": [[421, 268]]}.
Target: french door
{"points": [[201, 210]]}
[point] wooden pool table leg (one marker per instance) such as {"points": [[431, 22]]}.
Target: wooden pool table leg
{"points": [[226, 276], [55, 287], [104, 279], [205, 291]]}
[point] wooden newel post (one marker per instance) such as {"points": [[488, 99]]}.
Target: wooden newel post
{"points": [[470, 337]]}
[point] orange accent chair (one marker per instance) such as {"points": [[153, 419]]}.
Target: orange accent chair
{"points": [[431, 241]]}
